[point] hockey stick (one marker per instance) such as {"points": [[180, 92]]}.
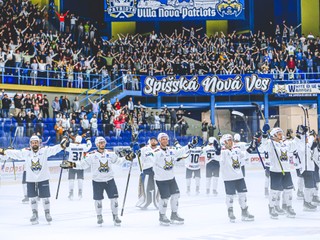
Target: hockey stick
{"points": [[261, 160], [58, 188], [305, 112], [260, 111], [11, 146], [219, 133], [240, 114], [135, 148]]}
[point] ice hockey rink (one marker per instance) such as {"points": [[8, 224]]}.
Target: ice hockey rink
{"points": [[205, 215]]}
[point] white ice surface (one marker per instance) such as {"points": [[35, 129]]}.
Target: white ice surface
{"points": [[205, 215]]}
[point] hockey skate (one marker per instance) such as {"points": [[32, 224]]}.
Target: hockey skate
{"points": [[188, 190], [116, 220], [214, 192], [300, 195], [273, 213], [231, 216], [290, 212], [279, 210], [208, 191], [246, 216], [175, 219], [70, 195], [309, 207], [266, 192], [80, 194], [48, 216], [34, 218], [315, 200], [99, 219], [25, 199], [197, 190], [164, 220]]}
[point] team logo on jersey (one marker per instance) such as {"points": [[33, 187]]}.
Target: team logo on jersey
{"points": [[168, 165], [235, 163], [36, 166], [121, 8], [149, 154], [229, 7], [104, 167], [283, 156]]}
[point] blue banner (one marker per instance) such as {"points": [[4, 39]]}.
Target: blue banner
{"points": [[173, 10], [206, 85]]}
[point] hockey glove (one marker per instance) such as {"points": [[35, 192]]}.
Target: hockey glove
{"points": [[193, 142], [313, 133], [130, 156], [252, 146], [88, 136], [289, 133], [2, 151], [301, 130], [67, 164], [65, 143], [265, 128], [217, 147], [257, 135]]}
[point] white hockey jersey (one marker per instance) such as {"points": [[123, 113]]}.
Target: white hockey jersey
{"points": [[164, 161], [77, 151], [192, 161], [146, 157], [282, 148], [301, 147], [244, 154], [210, 153], [36, 163], [230, 164], [101, 164]]}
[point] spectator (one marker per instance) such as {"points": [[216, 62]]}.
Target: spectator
{"points": [[204, 129], [55, 107]]}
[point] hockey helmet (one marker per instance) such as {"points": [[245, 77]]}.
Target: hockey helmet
{"points": [[226, 137], [275, 131], [237, 137], [78, 139], [211, 140], [34, 138], [161, 135], [99, 140]]}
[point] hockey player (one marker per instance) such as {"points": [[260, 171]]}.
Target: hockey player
{"points": [[305, 148], [233, 178], [244, 155], [280, 176], [212, 164], [37, 172], [256, 144], [76, 152], [101, 161], [164, 161], [193, 168], [297, 163], [24, 176], [147, 189], [316, 158]]}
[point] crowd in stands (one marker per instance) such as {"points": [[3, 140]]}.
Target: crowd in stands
{"points": [[77, 53], [31, 112]]}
